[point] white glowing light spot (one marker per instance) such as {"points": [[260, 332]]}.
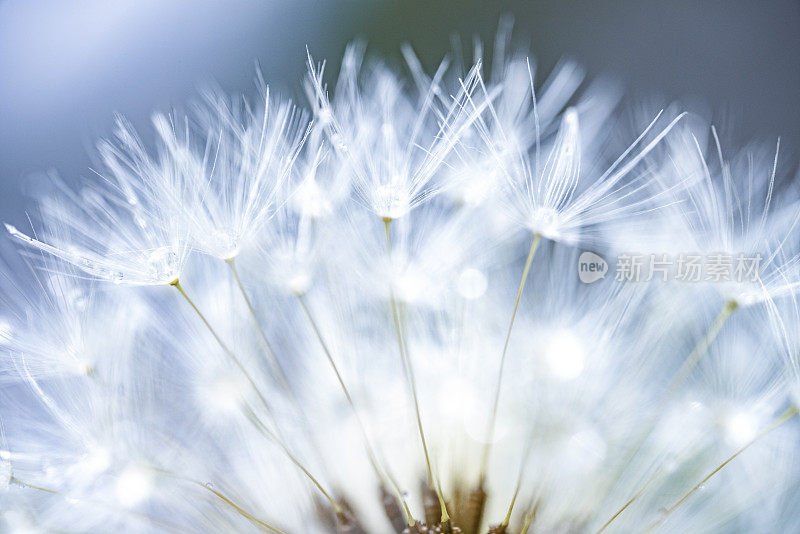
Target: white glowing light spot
{"points": [[565, 355], [472, 284], [134, 485], [740, 428], [410, 286], [454, 398]]}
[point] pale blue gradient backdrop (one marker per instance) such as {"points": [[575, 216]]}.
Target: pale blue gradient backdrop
{"points": [[67, 66]]}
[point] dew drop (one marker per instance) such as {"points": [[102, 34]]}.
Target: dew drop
{"points": [[163, 264], [224, 243], [391, 200], [338, 141]]}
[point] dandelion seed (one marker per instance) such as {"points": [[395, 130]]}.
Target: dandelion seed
{"points": [[118, 231], [395, 143], [229, 171]]}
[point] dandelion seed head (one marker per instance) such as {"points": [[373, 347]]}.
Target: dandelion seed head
{"points": [[390, 295]]}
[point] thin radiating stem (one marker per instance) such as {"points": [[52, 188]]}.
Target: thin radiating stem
{"points": [[495, 404], [701, 349], [224, 347], [221, 496], [254, 419], [295, 460], [138, 515], [522, 466], [15, 480], [409, 371], [786, 416], [241, 511], [177, 285], [528, 520], [689, 364], [315, 327], [507, 519], [630, 501], [272, 360], [445, 517]]}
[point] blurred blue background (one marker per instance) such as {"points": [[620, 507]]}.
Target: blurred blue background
{"points": [[67, 66]]}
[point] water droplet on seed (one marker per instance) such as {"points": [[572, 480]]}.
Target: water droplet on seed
{"points": [[163, 264]]}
